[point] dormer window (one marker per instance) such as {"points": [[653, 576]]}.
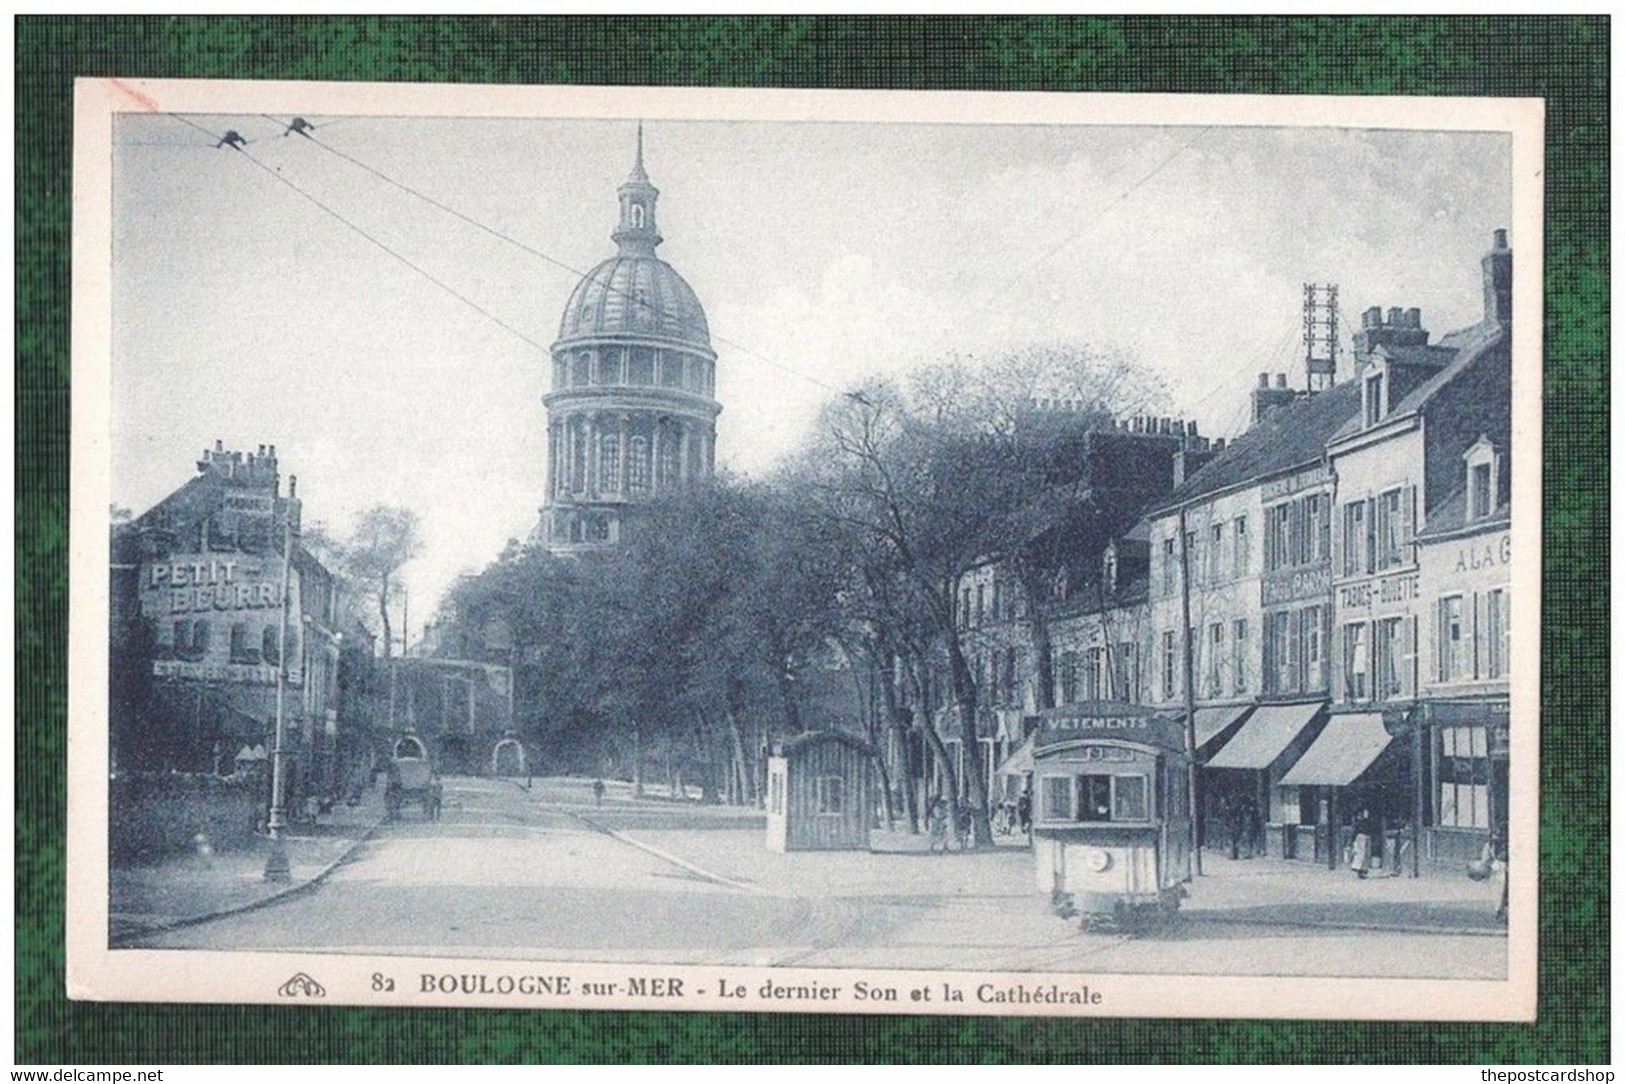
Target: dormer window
{"points": [[1483, 479], [1376, 397]]}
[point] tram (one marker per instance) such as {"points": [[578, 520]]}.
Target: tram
{"points": [[1112, 832]]}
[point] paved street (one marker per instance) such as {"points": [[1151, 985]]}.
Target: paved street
{"points": [[543, 874]]}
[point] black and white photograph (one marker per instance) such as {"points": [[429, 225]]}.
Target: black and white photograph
{"points": [[956, 553]]}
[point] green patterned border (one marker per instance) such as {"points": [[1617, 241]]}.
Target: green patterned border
{"points": [[1563, 60]]}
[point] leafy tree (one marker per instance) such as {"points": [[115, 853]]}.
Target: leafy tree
{"points": [[382, 541]]}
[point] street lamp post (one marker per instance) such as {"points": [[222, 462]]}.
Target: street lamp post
{"points": [[276, 863]]}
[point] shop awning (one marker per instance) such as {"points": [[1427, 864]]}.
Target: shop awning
{"points": [[1265, 736], [1211, 722], [1342, 752]]}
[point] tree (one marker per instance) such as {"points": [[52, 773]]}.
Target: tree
{"points": [[383, 540]]}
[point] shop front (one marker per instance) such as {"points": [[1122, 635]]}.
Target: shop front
{"points": [[1467, 788], [1357, 773], [1241, 779]]}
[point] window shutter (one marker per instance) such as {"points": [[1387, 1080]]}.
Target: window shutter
{"points": [[1370, 535], [1407, 505], [1408, 663]]}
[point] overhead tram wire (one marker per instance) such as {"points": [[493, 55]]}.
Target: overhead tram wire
{"points": [[560, 264], [1089, 220], [476, 306]]}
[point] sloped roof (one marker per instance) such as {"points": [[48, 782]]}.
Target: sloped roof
{"points": [[1289, 436], [1471, 343], [1451, 515]]}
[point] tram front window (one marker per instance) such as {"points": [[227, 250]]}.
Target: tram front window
{"points": [[1128, 802], [1095, 798]]}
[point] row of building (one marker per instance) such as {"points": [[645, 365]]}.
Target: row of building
{"points": [[200, 649], [1325, 600]]}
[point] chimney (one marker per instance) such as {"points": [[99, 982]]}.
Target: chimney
{"points": [[1263, 380], [1497, 265], [293, 486], [1403, 327], [1218, 445], [1280, 380]]}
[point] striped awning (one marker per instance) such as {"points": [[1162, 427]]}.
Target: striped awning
{"points": [[1341, 754], [1265, 736]]}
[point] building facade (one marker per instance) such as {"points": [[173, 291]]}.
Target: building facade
{"points": [[632, 411]]}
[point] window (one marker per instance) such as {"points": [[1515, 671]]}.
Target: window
{"points": [[1007, 686], [1093, 671], [1356, 663], [1464, 777], [1376, 406], [1215, 651], [1280, 669], [981, 602], [1129, 798], [964, 608], [1496, 627], [1390, 658], [581, 370], [1450, 647], [1125, 673], [1278, 536], [609, 462], [668, 465], [637, 216], [1057, 797], [1356, 539], [1238, 650], [1169, 659], [1312, 637], [998, 601], [637, 465], [671, 370], [1169, 563], [578, 460], [1094, 797], [1317, 527], [1483, 491], [827, 791], [1394, 527], [1193, 555], [597, 529], [642, 366], [1215, 572], [241, 652], [561, 374], [1069, 677], [1239, 546]]}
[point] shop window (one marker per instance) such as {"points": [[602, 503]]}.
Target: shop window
{"points": [[827, 790], [1464, 777]]}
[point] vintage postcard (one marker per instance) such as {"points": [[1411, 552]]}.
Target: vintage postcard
{"points": [[805, 551]]}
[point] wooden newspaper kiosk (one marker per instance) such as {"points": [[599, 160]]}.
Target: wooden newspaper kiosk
{"points": [[819, 794], [1111, 812]]}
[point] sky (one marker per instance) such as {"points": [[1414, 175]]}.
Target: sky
{"points": [[824, 254]]}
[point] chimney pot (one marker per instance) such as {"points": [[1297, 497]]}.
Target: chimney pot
{"points": [[1218, 445], [1500, 239], [1263, 380], [293, 485], [1373, 317], [1280, 380], [1190, 427], [1413, 318], [1396, 316], [219, 445]]}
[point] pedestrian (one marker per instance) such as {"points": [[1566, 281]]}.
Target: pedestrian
{"points": [[1255, 830], [937, 825], [598, 792], [1361, 859], [1024, 812]]}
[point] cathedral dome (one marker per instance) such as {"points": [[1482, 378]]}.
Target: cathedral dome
{"points": [[634, 295]]}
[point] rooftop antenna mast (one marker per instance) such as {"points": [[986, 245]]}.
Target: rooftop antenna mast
{"points": [[1319, 335]]}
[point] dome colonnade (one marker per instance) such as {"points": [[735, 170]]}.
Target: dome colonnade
{"points": [[632, 411]]}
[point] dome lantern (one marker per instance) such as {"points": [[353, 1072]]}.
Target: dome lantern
{"points": [[636, 234]]}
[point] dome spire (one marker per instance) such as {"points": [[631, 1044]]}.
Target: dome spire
{"points": [[636, 234]]}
